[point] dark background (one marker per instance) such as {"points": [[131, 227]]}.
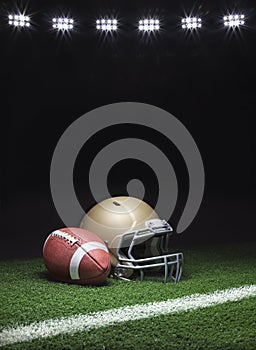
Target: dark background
{"points": [[205, 79]]}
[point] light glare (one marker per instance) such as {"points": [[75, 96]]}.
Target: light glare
{"points": [[63, 23], [233, 20], [19, 20], [149, 25], [191, 23], [106, 24]]}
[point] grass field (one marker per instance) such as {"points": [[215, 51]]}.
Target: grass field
{"points": [[28, 295]]}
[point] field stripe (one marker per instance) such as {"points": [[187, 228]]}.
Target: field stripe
{"points": [[78, 323]]}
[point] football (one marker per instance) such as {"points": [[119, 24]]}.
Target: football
{"points": [[76, 255]]}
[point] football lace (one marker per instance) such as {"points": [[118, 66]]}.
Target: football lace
{"points": [[63, 235]]}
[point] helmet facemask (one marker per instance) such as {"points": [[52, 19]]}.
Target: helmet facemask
{"points": [[154, 238]]}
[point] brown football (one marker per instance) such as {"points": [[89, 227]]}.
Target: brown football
{"points": [[76, 255]]}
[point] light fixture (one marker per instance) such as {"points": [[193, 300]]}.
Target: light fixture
{"points": [[19, 20], [106, 24], [233, 20], [149, 25], [63, 23], [191, 23]]}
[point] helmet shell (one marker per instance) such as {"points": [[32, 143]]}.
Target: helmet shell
{"points": [[112, 217]]}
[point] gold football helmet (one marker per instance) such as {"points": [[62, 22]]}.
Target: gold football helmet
{"points": [[136, 237]]}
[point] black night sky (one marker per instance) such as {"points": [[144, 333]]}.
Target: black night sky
{"points": [[205, 79]]}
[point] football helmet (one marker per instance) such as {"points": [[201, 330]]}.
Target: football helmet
{"points": [[136, 237]]}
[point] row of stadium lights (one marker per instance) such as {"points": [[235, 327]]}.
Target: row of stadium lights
{"points": [[111, 24]]}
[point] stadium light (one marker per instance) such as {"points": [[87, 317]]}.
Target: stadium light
{"points": [[233, 20], [149, 25], [191, 23], [19, 20], [63, 23], [106, 24]]}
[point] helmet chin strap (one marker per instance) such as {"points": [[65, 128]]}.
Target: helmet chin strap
{"points": [[121, 273]]}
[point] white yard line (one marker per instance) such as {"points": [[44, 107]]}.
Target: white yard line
{"points": [[78, 323]]}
